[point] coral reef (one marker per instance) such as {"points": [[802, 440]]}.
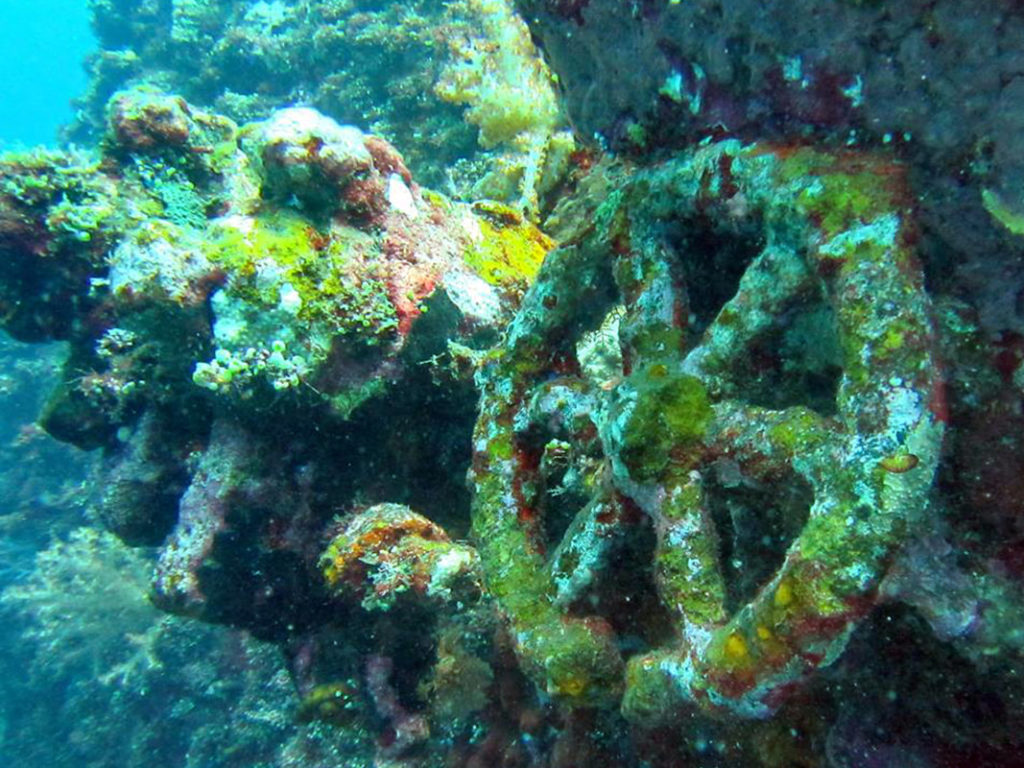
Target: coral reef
{"points": [[95, 657], [496, 72], [389, 550], [741, 418], [88, 609], [243, 307], [40, 478], [292, 266], [423, 75], [320, 299]]}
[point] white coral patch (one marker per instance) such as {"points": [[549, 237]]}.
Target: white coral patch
{"points": [[289, 299], [905, 409], [400, 196], [475, 298], [448, 568]]}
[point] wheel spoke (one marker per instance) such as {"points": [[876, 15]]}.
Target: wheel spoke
{"points": [[573, 288], [769, 443], [775, 279], [654, 323], [584, 549], [687, 570]]}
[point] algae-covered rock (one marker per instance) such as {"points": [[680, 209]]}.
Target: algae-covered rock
{"points": [[290, 275], [187, 222], [305, 154], [389, 551], [458, 86]]}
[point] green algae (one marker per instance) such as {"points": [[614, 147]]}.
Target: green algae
{"points": [[66, 188], [510, 250], [336, 275], [798, 432], [1010, 218], [338, 703], [666, 425], [838, 195]]}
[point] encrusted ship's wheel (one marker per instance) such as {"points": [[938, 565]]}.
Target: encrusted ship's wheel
{"points": [[781, 441]]}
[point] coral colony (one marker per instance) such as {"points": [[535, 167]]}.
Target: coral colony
{"points": [[674, 420]]}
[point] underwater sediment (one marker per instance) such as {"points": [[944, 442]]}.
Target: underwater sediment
{"points": [[698, 446]]}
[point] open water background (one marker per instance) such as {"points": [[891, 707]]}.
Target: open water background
{"points": [[42, 46]]}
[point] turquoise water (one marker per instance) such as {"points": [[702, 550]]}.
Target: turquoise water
{"points": [[44, 43]]}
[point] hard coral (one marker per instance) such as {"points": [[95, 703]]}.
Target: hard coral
{"points": [[389, 550], [171, 223], [302, 153], [498, 75], [386, 159], [507, 89], [143, 120], [58, 218], [178, 150], [371, 64], [304, 325]]}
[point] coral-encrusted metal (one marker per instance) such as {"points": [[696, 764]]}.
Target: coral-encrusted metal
{"points": [[817, 376]]}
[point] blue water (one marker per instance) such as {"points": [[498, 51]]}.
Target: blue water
{"points": [[44, 43]]}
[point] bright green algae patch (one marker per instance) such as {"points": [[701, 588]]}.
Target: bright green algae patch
{"points": [[332, 274], [510, 250], [840, 191], [667, 424]]}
